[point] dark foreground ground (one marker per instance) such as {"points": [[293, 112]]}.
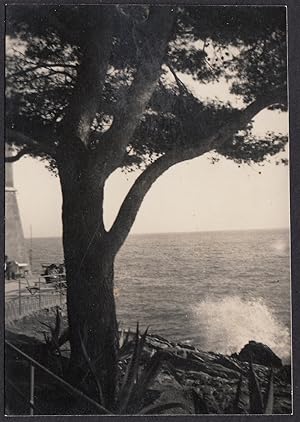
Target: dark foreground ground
{"points": [[204, 382]]}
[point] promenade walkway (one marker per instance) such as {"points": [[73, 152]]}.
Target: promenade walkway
{"points": [[28, 295]]}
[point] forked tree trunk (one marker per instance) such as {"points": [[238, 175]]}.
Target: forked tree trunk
{"points": [[89, 265], [90, 251]]}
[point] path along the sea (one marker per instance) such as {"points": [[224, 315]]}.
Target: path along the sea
{"points": [[25, 296]]}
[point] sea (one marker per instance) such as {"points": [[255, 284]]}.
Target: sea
{"points": [[216, 290]]}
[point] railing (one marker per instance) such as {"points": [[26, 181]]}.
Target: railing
{"points": [[56, 284], [33, 365], [33, 297]]}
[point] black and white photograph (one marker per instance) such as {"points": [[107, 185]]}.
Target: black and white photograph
{"points": [[147, 266]]}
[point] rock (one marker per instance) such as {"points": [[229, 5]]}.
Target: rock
{"points": [[204, 382], [260, 354], [285, 374], [186, 346], [230, 363]]}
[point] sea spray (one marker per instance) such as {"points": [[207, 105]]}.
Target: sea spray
{"points": [[280, 247], [227, 324], [159, 277]]}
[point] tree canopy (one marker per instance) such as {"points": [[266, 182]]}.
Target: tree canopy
{"points": [[247, 46]]}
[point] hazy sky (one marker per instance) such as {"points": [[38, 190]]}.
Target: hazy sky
{"points": [[191, 196]]}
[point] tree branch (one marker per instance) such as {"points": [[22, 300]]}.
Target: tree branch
{"points": [[132, 202], [31, 145], [246, 115], [183, 90], [20, 154], [151, 51], [43, 66], [90, 80]]}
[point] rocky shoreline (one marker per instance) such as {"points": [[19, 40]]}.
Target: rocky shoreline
{"points": [[208, 378], [215, 377]]}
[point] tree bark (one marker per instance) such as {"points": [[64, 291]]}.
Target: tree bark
{"points": [[152, 40], [89, 265], [95, 48]]}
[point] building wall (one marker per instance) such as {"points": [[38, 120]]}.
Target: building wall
{"points": [[15, 247]]}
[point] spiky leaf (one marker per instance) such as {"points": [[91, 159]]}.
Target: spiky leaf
{"points": [[255, 394], [93, 370], [269, 402], [236, 401]]}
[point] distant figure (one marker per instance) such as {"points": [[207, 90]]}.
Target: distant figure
{"points": [[12, 270], [51, 273]]}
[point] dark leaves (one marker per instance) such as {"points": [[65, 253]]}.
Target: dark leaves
{"points": [[206, 43], [247, 148]]}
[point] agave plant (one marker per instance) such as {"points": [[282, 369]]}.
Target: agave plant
{"points": [[56, 337], [258, 403], [136, 380]]}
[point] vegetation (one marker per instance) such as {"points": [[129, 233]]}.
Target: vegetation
{"points": [[91, 89], [257, 403], [135, 378]]}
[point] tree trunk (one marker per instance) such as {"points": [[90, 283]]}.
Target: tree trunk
{"points": [[89, 269]]}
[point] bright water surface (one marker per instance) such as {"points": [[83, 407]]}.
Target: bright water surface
{"points": [[217, 290]]}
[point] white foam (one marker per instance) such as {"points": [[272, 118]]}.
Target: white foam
{"points": [[228, 324], [280, 246]]}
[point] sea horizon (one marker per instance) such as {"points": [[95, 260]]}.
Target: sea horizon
{"points": [[215, 289], [181, 232]]}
